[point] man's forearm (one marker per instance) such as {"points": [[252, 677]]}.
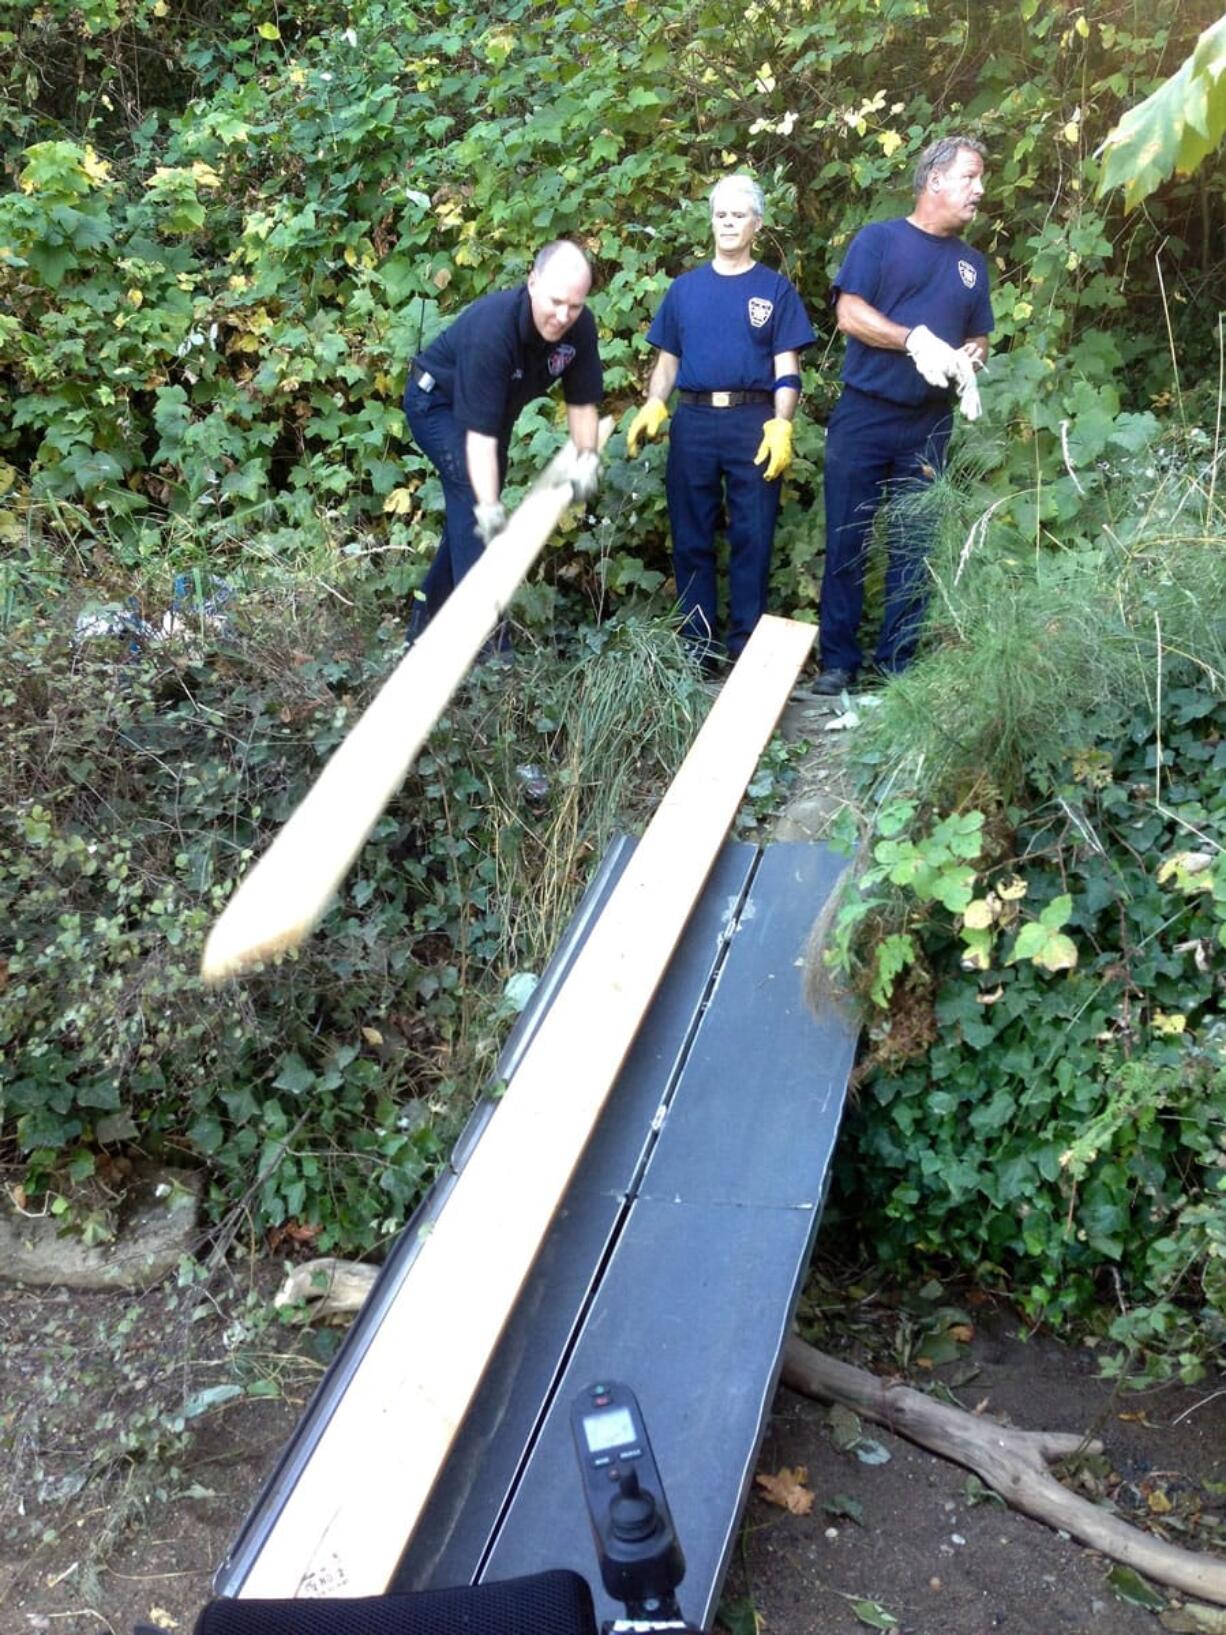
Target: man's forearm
{"points": [[583, 421], [863, 322], [481, 458], [663, 376], [786, 397]]}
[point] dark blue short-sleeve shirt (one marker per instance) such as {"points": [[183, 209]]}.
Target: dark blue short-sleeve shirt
{"points": [[492, 359], [727, 328], [912, 277]]}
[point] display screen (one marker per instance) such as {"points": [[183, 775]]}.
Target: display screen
{"points": [[608, 1430]]}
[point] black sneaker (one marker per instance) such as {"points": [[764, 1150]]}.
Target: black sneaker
{"points": [[830, 683]]}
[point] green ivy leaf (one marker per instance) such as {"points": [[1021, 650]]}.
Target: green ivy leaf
{"points": [[295, 1076]]}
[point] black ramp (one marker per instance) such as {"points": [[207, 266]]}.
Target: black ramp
{"points": [[700, 1378], [696, 1301], [757, 1110], [454, 1532]]}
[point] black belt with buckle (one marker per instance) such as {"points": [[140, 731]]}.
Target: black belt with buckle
{"points": [[726, 400], [421, 377]]}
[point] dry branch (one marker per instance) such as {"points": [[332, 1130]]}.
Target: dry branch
{"points": [[1012, 1462]]}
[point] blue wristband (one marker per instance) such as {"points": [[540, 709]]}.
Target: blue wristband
{"points": [[787, 380]]}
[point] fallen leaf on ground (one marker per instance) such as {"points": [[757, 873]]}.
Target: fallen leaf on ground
{"points": [[875, 1616], [840, 1505], [844, 1427], [870, 1452], [787, 1489], [1131, 1587], [1195, 1618]]}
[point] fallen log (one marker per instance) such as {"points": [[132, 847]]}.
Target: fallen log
{"points": [[1012, 1462]]}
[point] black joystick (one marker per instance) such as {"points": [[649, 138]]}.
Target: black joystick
{"points": [[632, 1512]]}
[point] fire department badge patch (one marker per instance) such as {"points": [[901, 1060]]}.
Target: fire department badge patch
{"points": [[559, 358], [968, 274], [759, 310]]}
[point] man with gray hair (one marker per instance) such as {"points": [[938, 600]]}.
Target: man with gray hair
{"points": [[729, 334], [912, 298], [466, 389]]}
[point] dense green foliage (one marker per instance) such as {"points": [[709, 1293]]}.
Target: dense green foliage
{"points": [[138, 783], [230, 229], [1045, 1093]]}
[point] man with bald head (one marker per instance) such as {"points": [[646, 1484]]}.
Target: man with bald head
{"points": [[465, 392], [730, 334]]}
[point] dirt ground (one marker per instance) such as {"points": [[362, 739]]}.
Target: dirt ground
{"points": [[135, 1433], [912, 1538]]}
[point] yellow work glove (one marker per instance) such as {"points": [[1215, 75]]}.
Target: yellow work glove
{"points": [[776, 448], [646, 423]]}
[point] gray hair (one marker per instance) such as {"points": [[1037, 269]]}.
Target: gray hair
{"points": [[939, 155], [547, 252], [741, 184]]}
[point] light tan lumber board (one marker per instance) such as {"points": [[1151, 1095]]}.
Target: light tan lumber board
{"points": [[344, 1526], [279, 903]]}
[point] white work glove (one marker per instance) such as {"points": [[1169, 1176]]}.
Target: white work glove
{"points": [[582, 471], [490, 520], [937, 361], [968, 399], [968, 386]]}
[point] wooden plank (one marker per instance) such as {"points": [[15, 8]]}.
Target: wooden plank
{"points": [[282, 899], [343, 1528]]}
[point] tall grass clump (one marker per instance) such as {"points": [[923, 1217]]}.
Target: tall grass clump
{"points": [[605, 731], [1031, 649]]}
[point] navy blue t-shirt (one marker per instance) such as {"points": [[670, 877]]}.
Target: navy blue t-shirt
{"points": [[914, 278], [727, 328], [492, 359]]}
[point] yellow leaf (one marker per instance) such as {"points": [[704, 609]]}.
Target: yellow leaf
{"points": [[7, 474], [399, 501], [1168, 1022], [1082, 27], [1158, 1502], [979, 914], [383, 384], [297, 76], [727, 157], [1011, 889], [1184, 863], [162, 1618], [1072, 133], [96, 169], [765, 81], [1022, 311], [890, 140], [787, 1489], [1059, 953], [372, 1036], [204, 175], [136, 297], [160, 8], [268, 31]]}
